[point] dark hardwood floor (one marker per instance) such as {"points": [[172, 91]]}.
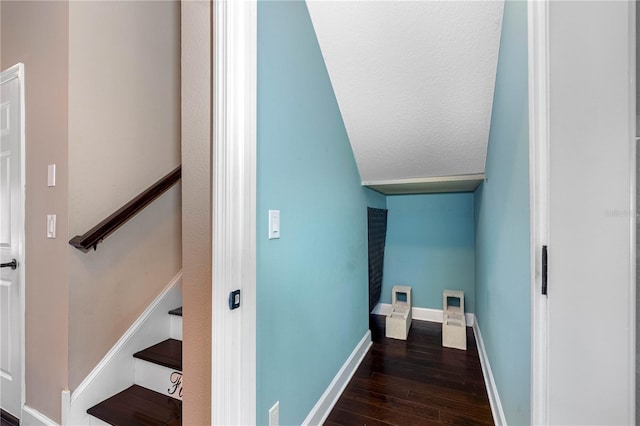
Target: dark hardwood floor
{"points": [[415, 382]]}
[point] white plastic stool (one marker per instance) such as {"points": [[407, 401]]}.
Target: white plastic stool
{"points": [[454, 325], [399, 320]]}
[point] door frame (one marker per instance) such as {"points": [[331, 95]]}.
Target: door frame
{"points": [[233, 370], [17, 71], [538, 78], [538, 55]]}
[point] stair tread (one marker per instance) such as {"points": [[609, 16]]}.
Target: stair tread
{"points": [[167, 353], [177, 311], [139, 406]]}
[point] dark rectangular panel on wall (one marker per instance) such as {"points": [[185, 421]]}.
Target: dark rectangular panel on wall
{"points": [[377, 223]]}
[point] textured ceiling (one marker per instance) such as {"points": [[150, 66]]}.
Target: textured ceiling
{"points": [[414, 81]]}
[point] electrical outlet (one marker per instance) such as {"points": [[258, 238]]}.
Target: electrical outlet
{"points": [[274, 415]]}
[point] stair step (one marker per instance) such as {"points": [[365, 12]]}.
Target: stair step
{"points": [[166, 381], [139, 406], [167, 353], [7, 419], [176, 311]]}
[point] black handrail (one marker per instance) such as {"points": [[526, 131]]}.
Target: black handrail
{"points": [[98, 233]]}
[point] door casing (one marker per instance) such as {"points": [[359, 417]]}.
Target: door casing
{"points": [[17, 71], [540, 92]]}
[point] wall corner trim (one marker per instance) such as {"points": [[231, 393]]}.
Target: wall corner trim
{"points": [[33, 417], [492, 390], [325, 404], [234, 67], [66, 406]]}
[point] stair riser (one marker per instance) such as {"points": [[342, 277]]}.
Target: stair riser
{"points": [[161, 379], [175, 330]]}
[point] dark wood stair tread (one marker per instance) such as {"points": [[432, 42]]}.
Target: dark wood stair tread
{"points": [[167, 353], [7, 419], [177, 311], [139, 406]]}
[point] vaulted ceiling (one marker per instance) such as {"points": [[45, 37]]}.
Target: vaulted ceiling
{"points": [[414, 81]]}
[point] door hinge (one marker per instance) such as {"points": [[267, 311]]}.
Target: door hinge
{"points": [[545, 267]]}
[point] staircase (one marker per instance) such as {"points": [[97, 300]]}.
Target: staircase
{"points": [[156, 396]]}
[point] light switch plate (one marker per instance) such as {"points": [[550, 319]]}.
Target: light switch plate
{"points": [[51, 175], [274, 224], [51, 226]]}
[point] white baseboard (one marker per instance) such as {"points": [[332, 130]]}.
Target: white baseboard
{"points": [[421, 314], [116, 371], [32, 417], [323, 407], [492, 390]]}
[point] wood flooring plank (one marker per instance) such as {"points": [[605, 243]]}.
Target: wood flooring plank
{"points": [[381, 412], [341, 417], [396, 404], [415, 381], [458, 419], [427, 390]]}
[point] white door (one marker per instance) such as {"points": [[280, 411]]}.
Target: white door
{"points": [[11, 237], [585, 360]]}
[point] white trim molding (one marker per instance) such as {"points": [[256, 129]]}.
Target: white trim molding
{"points": [[32, 417], [538, 27], [431, 185], [421, 314], [116, 370], [233, 370], [492, 390], [633, 222], [327, 401]]}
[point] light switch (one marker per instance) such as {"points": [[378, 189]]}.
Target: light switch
{"points": [[274, 224], [51, 175], [51, 226]]}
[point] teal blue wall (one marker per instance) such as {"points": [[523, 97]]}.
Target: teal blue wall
{"points": [[376, 199], [502, 225], [312, 283], [430, 247]]}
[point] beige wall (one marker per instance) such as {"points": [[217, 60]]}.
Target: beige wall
{"points": [[103, 104], [196, 202], [36, 34], [124, 134]]}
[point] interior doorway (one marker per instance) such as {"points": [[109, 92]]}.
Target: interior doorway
{"points": [[12, 240]]}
